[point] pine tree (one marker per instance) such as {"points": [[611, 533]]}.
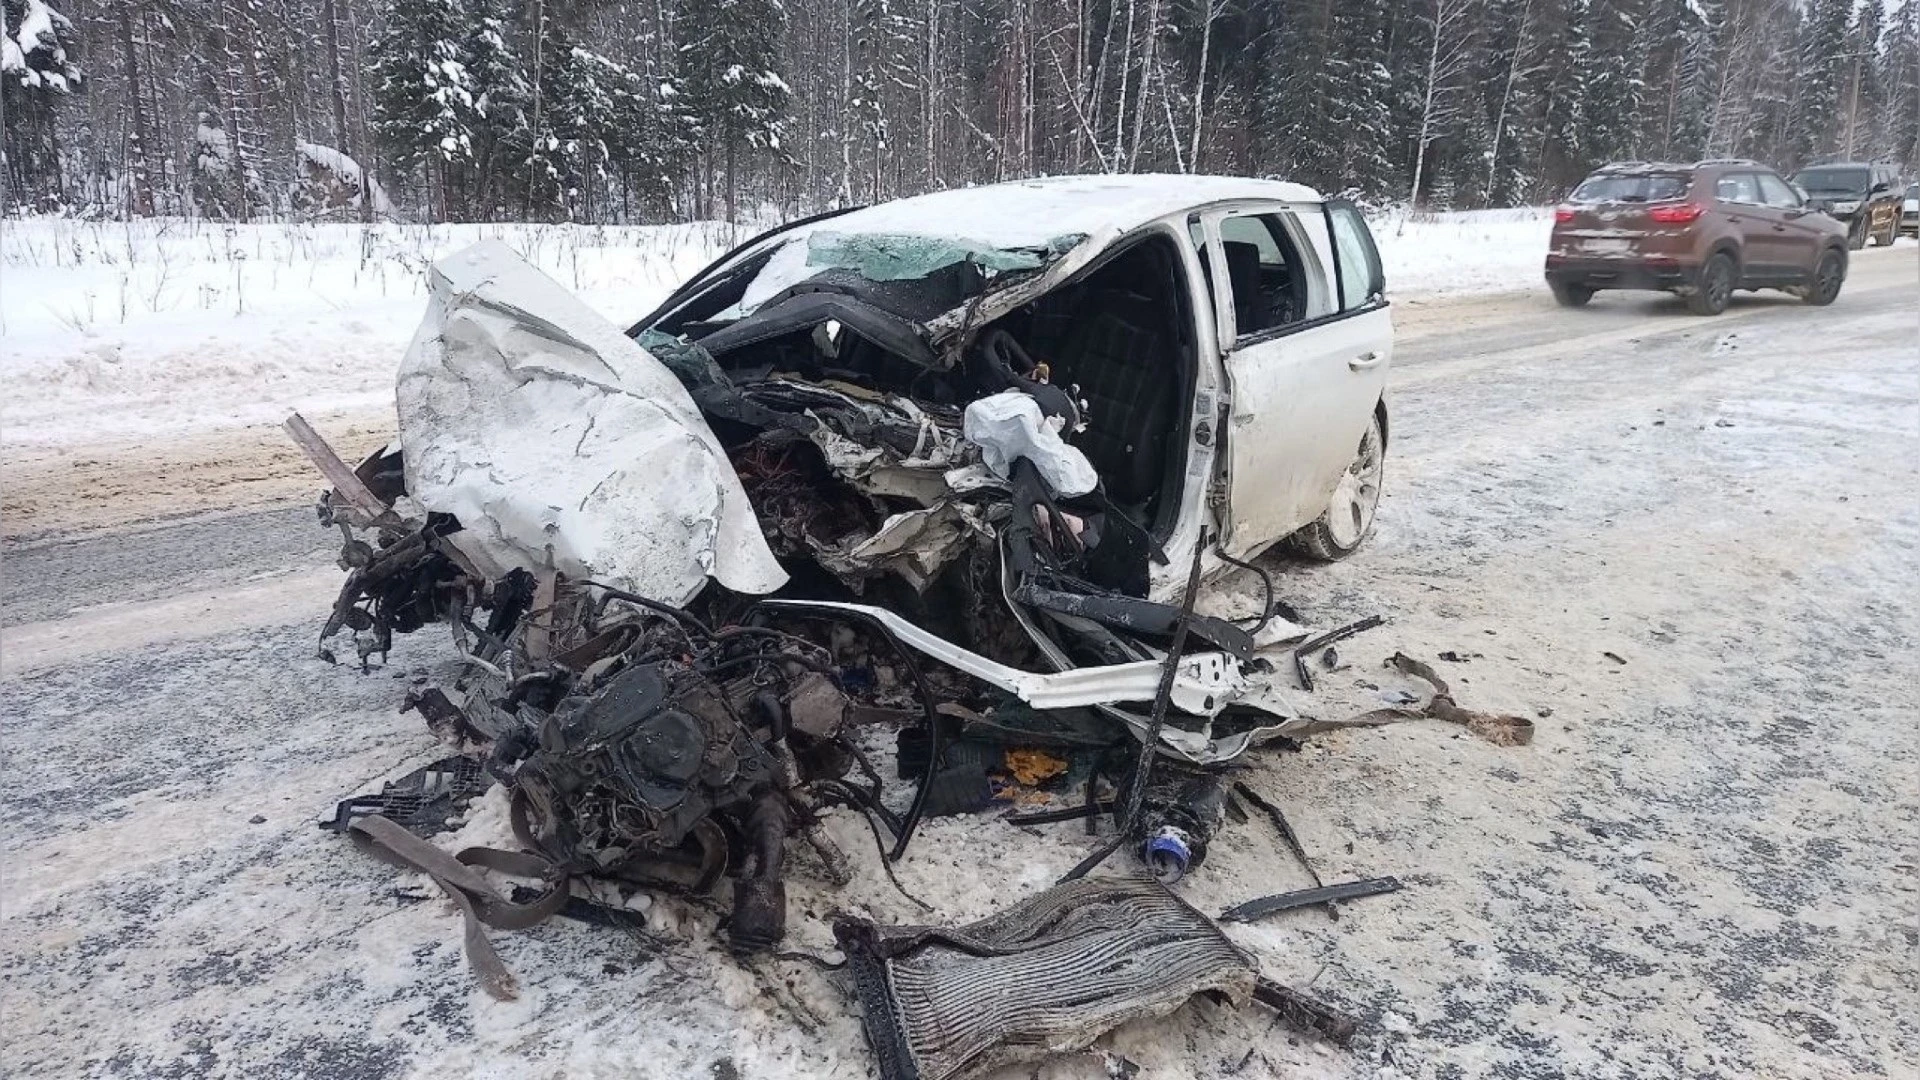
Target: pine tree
{"points": [[39, 69], [1900, 77], [1611, 81], [1863, 92], [729, 53], [1820, 98], [423, 100], [499, 123], [1359, 87]]}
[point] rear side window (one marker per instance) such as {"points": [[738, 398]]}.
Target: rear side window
{"points": [[1361, 276], [1775, 192], [1737, 188], [1265, 279], [1632, 187]]}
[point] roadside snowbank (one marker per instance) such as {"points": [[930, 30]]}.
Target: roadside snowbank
{"points": [[1468, 251], [119, 332], [126, 331]]}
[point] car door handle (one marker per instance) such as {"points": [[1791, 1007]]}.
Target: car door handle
{"points": [[1364, 361], [1779, 228]]}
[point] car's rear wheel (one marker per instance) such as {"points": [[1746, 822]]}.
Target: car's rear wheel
{"points": [[1713, 288], [1828, 276], [1570, 295], [1348, 519]]}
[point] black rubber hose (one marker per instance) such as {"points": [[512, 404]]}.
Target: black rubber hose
{"points": [[1266, 585], [808, 662], [652, 605], [1150, 748], [928, 706]]}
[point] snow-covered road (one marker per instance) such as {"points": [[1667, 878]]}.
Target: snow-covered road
{"points": [[1687, 546]]}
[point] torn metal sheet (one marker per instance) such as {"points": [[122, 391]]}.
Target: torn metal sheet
{"points": [[1046, 976], [1205, 685], [556, 440], [915, 545]]}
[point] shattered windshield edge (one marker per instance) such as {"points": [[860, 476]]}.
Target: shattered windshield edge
{"points": [[884, 257]]}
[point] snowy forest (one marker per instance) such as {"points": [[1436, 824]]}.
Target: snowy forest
{"points": [[670, 110]]}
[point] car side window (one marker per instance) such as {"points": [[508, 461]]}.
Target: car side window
{"points": [[1263, 273], [1736, 188], [1361, 275], [1775, 192]]}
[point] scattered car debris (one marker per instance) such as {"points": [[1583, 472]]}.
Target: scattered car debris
{"points": [[1312, 645], [1048, 975], [1282, 826], [424, 801], [1501, 730], [1320, 894]]}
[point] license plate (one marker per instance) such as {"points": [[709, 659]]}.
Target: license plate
{"points": [[1605, 246]]}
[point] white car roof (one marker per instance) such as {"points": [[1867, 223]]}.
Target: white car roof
{"points": [[1029, 213]]}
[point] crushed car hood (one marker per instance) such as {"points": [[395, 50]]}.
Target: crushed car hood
{"points": [[556, 440]]}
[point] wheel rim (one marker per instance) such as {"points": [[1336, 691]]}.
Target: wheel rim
{"points": [[1357, 495], [1718, 284], [1829, 277]]}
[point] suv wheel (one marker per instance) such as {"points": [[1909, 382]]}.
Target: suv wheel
{"points": [[1713, 288], [1888, 234], [1340, 531], [1570, 295], [1827, 278], [1857, 233]]}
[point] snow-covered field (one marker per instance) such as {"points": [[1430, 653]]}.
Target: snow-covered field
{"points": [[130, 331], [135, 330]]}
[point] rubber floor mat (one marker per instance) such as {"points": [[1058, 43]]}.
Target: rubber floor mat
{"points": [[1048, 975]]}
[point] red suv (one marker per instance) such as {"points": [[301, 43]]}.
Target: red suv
{"points": [[1700, 230]]}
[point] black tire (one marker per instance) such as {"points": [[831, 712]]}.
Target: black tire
{"points": [[1357, 499], [1570, 295], [1828, 275], [1713, 287], [1857, 234]]}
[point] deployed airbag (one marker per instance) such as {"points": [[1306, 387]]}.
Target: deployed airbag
{"points": [[1008, 426], [553, 437]]}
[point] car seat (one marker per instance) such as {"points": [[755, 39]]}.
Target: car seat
{"points": [[1129, 377], [1250, 311]]}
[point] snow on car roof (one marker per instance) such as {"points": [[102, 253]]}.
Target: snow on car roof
{"points": [[1030, 213]]}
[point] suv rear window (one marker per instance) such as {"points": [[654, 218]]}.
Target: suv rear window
{"points": [[1631, 187]]}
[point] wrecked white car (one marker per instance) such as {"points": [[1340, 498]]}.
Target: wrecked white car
{"points": [[953, 463]]}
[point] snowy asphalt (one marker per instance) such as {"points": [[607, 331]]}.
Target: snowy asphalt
{"points": [[1687, 546]]}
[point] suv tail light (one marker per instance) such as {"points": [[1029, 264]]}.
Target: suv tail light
{"points": [[1562, 214], [1676, 213]]}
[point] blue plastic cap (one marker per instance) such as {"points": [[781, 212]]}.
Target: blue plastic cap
{"points": [[1167, 854]]}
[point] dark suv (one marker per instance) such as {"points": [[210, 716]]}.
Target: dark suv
{"points": [[1700, 230], [1864, 196]]}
